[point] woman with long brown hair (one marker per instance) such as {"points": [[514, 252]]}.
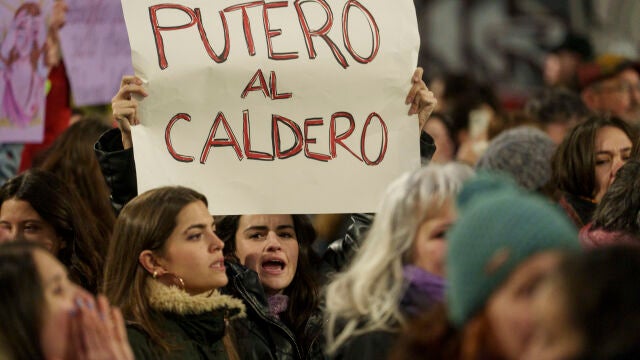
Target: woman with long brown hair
{"points": [[586, 163], [44, 315], [37, 206], [164, 268], [71, 158]]}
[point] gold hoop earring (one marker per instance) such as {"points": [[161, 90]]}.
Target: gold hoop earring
{"points": [[170, 279]]}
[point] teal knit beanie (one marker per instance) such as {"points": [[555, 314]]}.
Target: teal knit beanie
{"points": [[497, 220]]}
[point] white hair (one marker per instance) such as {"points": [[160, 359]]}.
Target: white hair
{"points": [[366, 296]]}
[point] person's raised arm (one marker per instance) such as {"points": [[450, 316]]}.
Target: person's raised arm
{"points": [[125, 107]]}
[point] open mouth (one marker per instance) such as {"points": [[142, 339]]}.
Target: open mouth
{"points": [[218, 265], [273, 266]]}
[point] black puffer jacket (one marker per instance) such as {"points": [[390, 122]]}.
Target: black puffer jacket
{"points": [[261, 335]]}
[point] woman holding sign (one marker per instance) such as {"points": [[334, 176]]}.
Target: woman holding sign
{"points": [[114, 149], [273, 329]]}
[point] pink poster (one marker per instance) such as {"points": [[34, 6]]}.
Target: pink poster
{"points": [[23, 72], [95, 48]]}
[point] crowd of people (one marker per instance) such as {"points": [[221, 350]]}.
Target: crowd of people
{"points": [[517, 238]]}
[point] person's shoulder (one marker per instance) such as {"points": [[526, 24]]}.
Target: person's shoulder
{"points": [[140, 342], [370, 345]]}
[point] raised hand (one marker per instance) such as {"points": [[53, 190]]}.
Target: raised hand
{"points": [[125, 107], [422, 100]]}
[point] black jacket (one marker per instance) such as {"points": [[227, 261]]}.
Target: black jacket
{"points": [[374, 345], [193, 325], [261, 335], [118, 168]]}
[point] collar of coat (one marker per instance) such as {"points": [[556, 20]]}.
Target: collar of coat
{"points": [[174, 300]]}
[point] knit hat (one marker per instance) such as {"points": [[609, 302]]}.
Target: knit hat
{"points": [[524, 153], [499, 227], [603, 67]]}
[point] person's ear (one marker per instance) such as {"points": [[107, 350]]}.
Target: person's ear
{"points": [[149, 262]]}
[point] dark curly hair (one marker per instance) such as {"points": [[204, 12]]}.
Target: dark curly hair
{"points": [[303, 290], [61, 207]]}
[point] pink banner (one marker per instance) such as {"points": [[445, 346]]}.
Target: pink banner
{"points": [[95, 49], [23, 72]]}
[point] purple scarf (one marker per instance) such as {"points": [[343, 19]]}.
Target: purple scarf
{"points": [[278, 303], [424, 289]]}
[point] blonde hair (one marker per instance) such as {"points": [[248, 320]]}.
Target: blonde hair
{"points": [[366, 295]]}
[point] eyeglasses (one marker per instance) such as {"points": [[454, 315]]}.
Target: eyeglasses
{"points": [[620, 87]]}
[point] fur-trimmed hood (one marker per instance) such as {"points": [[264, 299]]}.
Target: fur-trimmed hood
{"points": [[174, 300]]}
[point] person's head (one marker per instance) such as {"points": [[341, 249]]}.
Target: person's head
{"points": [[523, 153], [25, 24], [619, 210], [37, 300], [588, 308], [165, 233], [557, 110], [37, 206], [564, 59], [586, 162], [278, 249], [409, 229], [440, 128], [611, 85], [503, 243], [72, 159]]}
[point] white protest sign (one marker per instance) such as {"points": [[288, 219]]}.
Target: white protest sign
{"points": [[275, 107]]}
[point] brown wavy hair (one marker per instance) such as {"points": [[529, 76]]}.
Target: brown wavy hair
{"points": [[60, 206], [145, 223], [574, 162], [21, 300], [72, 159]]}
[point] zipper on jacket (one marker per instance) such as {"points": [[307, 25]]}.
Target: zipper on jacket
{"points": [[255, 306]]}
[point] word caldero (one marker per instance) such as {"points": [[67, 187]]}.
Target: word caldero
{"points": [[301, 137]]}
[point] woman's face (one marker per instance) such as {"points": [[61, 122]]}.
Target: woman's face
{"points": [[59, 304], [613, 149], [430, 247], [18, 220], [193, 251], [509, 308], [268, 245], [445, 148], [554, 336]]}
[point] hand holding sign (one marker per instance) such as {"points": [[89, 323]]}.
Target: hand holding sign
{"points": [[125, 107], [421, 99]]}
